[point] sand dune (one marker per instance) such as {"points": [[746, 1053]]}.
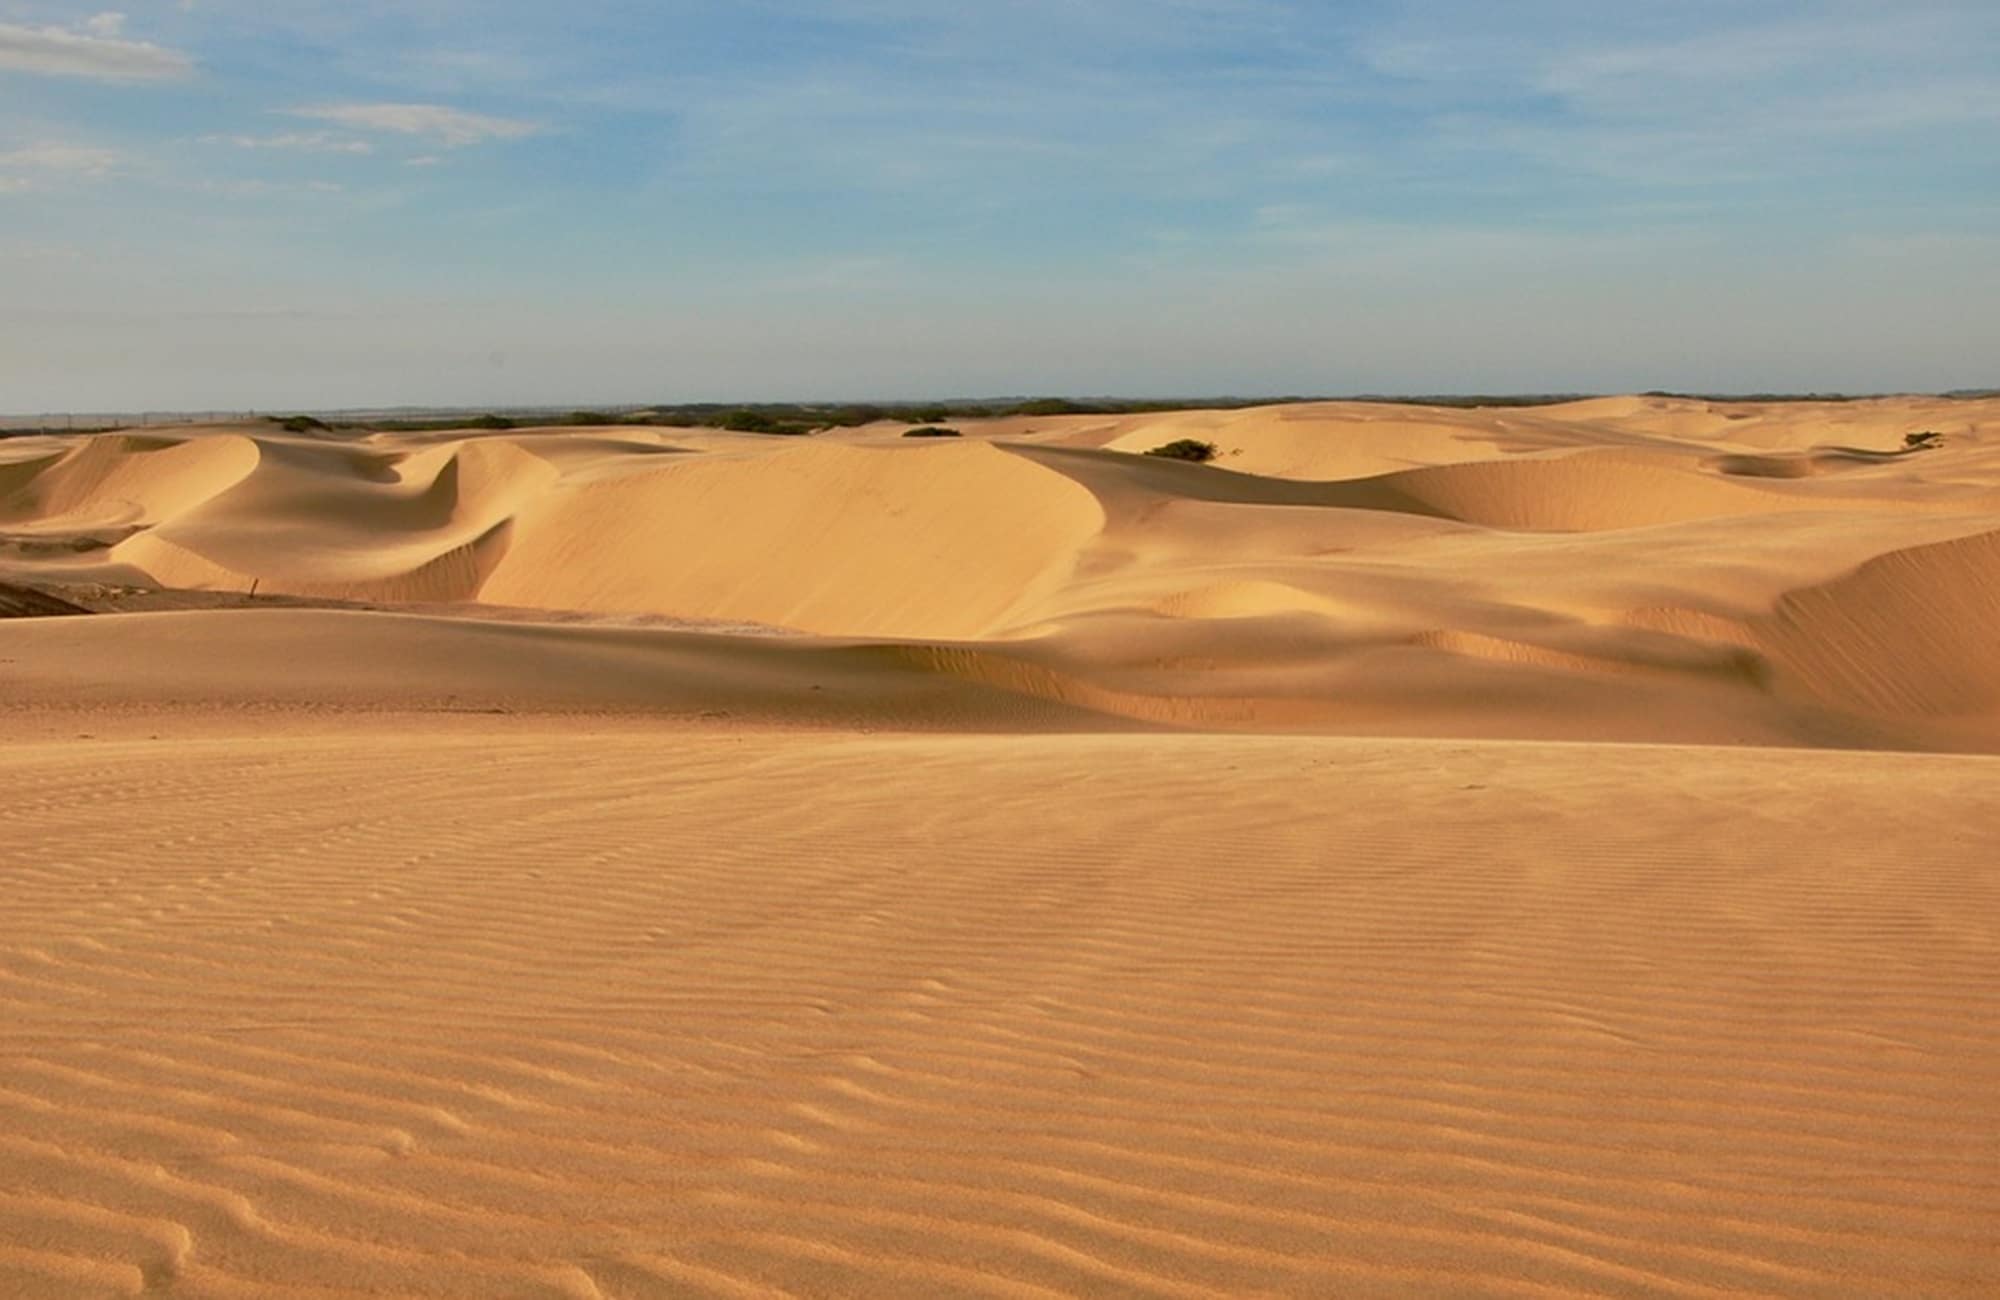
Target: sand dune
{"points": [[1585, 492], [1911, 631], [1425, 852], [122, 479], [899, 541], [1424, 571]]}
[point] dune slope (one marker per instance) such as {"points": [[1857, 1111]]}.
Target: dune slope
{"points": [[928, 541], [1625, 568]]}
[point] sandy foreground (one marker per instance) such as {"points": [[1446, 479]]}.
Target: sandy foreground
{"points": [[1517, 853]]}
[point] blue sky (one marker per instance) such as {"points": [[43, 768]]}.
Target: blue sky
{"points": [[234, 203]]}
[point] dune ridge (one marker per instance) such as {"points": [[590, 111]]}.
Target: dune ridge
{"points": [[1452, 568], [113, 482], [1909, 632]]}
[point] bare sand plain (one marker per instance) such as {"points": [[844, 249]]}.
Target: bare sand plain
{"points": [[1525, 852]]}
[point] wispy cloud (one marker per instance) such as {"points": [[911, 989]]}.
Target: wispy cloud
{"points": [[38, 167], [1731, 95], [75, 159], [451, 127], [95, 48], [257, 189], [299, 141]]}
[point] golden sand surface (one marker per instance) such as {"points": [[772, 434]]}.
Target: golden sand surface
{"points": [[1531, 852], [1642, 569]]}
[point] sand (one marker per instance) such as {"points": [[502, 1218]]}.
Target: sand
{"points": [[1520, 852]]}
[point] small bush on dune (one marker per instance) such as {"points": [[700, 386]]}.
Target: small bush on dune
{"points": [[1185, 449], [932, 431], [1924, 441], [301, 424], [490, 422]]}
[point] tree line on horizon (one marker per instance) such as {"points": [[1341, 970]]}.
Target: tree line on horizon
{"points": [[797, 418]]}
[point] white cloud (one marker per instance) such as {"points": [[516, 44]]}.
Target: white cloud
{"points": [[450, 127], [302, 141], [261, 189], [75, 159], [37, 166], [1735, 95], [96, 49]]}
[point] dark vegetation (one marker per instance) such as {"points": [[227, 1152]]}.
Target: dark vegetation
{"points": [[1758, 397], [1056, 406], [438, 425], [809, 417], [932, 431], [748, 421], [1193, 449], [31, 602], [812, 417], [1925, 440], [1469, 401]]}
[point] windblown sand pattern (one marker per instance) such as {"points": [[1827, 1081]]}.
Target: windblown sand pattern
{"points": [[624, 1016], [1531, 853]]}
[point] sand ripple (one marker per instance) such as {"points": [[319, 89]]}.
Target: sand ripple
{"points": [[556, 1014]]}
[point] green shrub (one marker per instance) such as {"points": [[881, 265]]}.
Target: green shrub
{"points": [[301, 424], [848, 417], [932, 431], [1185, 449], [589, 418], [745, 421], [490, 422], [1053, 406], [1926, 440]]}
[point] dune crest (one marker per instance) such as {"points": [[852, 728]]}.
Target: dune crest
{"points": [[1649, 566], [122, 479], [938, 542]]}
